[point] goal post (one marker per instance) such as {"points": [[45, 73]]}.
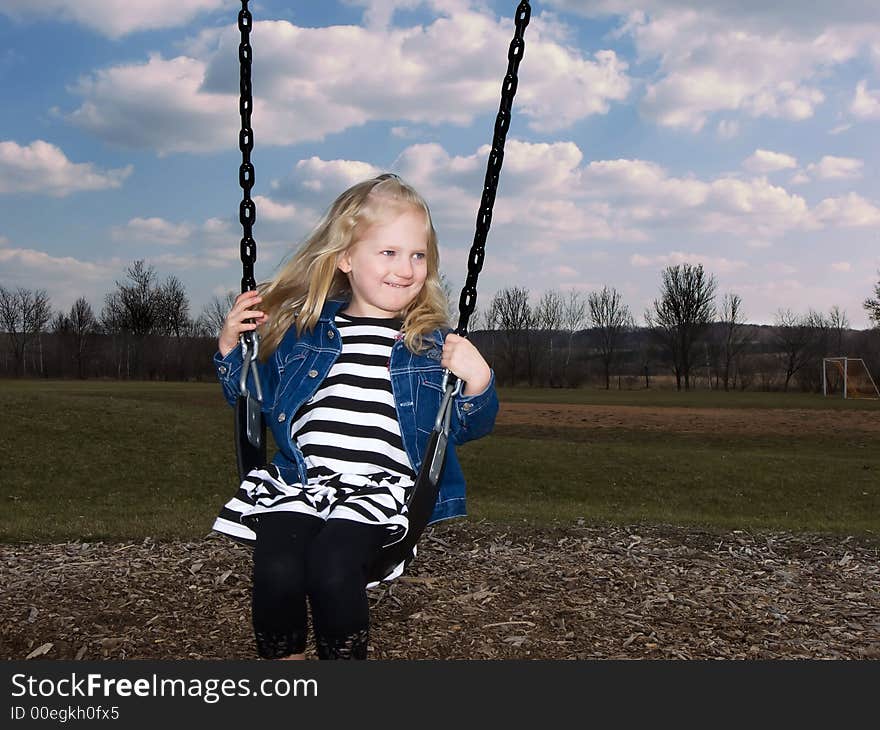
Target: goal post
{"points": [[847, 377]]}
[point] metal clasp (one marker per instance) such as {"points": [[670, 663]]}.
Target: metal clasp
{"points": [[250, 348]]}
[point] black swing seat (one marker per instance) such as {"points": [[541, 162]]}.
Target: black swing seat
{"points": [[250, 450]]}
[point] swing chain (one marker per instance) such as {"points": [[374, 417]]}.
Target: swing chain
{"points": [[247, 211], [468, 300]]}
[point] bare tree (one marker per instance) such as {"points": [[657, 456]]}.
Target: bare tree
{"points": [[172, 308], [210, 321], [872, 305], [682, 315], [611, 318], [451, 299], [82, 326], [24, 315], [734, 334], [547, 317], [800, 339], [838, 323], [512, 315], [574, 318], [131, 312], [60, 324]]}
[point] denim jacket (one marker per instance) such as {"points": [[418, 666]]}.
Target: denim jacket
{"points": [[296, 369]]}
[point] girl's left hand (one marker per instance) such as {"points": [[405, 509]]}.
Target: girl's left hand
{"points": [[465, 361]]}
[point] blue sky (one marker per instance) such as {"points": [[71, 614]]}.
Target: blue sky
{"points": [[645, 134]]}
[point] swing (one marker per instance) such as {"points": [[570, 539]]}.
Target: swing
{"points": [[250, 426]]}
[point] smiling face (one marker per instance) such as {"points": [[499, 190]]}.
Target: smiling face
{"points": [[387, 265]]}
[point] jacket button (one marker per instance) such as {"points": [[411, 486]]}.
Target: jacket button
{"points": [[467, 406], [281, 417], [331, 335], [313, 373], [222, 369]]}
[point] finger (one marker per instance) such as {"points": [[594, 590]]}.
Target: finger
{"points": [[246, 299]]}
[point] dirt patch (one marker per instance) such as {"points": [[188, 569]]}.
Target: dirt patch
{"points": [[690, 420], [476, 591]]}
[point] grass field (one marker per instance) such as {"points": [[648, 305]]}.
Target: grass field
{"points": [[125, 460]]}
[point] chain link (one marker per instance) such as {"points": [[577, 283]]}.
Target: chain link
{"points": [[247, 210], [468, 300]]}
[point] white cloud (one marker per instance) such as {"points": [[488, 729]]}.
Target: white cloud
{"points": [[728, 129], [848, 211], [64, 277], [318, 83], [153, 230], [380, 13], [554, 209], [710, 67], [113, 18], [159, 105], [564, 271], [214, 239], [405, 132], [764, 161], [182, 262], [753, 208], [674, 258], [866, 103], [753, 58], [757, 14], [836, 168], [841, 266], [41, 167], [781, 268], [268, 209]]}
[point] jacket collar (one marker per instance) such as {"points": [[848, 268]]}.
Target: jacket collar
{"points": [[330, 308]]}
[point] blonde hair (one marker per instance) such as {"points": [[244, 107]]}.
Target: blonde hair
{"points": [[297, 293]]}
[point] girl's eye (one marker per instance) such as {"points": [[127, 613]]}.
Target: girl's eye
{"points": [[420, 256]]}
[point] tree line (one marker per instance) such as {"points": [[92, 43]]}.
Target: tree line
{"points": [[145, 329]]}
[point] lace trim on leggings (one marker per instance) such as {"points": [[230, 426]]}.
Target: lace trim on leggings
{"points": [[353, 646], [274, 645]]}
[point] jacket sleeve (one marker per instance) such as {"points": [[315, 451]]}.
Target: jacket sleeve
{"points": [[229, 372], [473, 416]]}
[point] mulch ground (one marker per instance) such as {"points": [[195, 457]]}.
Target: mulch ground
{"points": [[476, 591]]}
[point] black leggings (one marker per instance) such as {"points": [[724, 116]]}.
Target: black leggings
{"points": [[298, 555]]}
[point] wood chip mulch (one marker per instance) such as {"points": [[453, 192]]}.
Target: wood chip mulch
{"points": [[476, 591]]}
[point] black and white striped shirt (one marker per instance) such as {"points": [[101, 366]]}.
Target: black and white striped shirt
{"points": [[350, 425]]}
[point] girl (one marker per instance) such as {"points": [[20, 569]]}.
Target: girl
{"points": [[353, 345]]}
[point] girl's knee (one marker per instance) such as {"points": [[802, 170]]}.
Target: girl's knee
{"points": [[332, 573]]}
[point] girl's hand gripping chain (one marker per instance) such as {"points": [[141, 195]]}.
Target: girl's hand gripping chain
{"points": [[465, 361], [235, 324]]}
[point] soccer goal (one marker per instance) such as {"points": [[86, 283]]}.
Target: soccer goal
{"points": [[847, 377]]}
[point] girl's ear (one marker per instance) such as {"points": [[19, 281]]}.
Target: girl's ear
{"points": [[343, 261]]}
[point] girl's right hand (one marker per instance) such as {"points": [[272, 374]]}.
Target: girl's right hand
{"points": [[234, 323]]}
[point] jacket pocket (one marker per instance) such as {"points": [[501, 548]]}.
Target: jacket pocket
{"points": [[288, 371], [429, 396]]}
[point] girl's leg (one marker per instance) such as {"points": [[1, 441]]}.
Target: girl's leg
{"points": [[337, 567], [279, 593]]}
